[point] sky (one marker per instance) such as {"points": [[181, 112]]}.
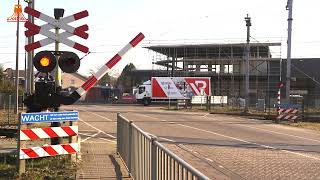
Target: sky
{"points": [[113, 23]]}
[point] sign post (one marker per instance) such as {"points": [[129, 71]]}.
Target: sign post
{"points": [[169, 95], [21, 163], [17, 17], [71, 132]]}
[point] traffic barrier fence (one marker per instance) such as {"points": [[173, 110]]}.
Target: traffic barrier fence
{"points": [[148, 159]]}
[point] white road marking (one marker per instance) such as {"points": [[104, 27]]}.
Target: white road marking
{"points": [[206, 115], [147, 116], [97, 129], [270, 130], [85, 134], [280, 133], [241, 140], [84, 140], [108, 140], [103, 117], [209, 160]]}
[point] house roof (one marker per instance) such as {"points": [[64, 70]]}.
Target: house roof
{"points": [[80, 76], [11, 73]]}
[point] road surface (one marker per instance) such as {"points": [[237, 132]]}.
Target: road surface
{"points": [[219, 146]]}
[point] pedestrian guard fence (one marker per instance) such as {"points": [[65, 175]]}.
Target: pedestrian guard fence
{"points": [[147, 159]]}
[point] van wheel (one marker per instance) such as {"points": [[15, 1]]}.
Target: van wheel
{"points": [[146, 102]]}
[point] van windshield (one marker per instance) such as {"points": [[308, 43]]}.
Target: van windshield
{"points": [[141, 89]]}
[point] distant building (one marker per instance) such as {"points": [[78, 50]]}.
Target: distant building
{"points": [[69, 80], [10, 75], [72, 80]]}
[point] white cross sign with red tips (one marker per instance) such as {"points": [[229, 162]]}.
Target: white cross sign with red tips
{"points": [[56, 23]]}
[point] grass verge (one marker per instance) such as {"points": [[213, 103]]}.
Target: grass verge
{"points": [[306, 125], [58, 167]]}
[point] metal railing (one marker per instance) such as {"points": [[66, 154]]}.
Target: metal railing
{"points": [[147, 159]]}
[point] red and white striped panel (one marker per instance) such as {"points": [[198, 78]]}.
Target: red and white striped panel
{"points": [[49, 150], [288, 110], [61, 23], [290, 117], [112, 62], [52, 23], [49, 132], [288, 114], [62, 38], [281, 110]]}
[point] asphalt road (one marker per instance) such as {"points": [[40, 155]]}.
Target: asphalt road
{"points": [[217, 145]]}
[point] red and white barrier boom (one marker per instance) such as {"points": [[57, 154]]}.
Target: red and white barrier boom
{"points": [[102, 71]]}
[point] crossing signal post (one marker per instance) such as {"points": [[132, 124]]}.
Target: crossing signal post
{"points": [[47, 95]]}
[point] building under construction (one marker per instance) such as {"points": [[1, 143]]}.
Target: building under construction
{"points": [[225, 64]]}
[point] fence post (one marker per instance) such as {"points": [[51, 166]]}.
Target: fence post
{"points": [[208, 103], [130, 147], [153, 158], [9, 107], [118, 132]]}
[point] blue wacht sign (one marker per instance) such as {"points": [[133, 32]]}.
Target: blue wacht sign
{"points": [[49, 117]]}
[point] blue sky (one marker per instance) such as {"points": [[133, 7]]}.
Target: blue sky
{"points": [[113, 23]]}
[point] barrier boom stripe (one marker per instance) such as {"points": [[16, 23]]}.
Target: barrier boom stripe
{"points": [[49, 132], [109, 65], [34, 31], [49, 150]]}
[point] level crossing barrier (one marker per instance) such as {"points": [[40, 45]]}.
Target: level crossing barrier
{"points": [[146, 158], [289, 114]]}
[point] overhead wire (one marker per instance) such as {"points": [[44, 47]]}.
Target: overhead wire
{"points": [[307, 75]]}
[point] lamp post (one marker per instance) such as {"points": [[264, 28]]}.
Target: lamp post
{"points": [[16, 111], [247, 56], [288, 74]]}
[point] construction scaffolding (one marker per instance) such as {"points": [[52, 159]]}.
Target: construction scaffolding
{"points": [[225, 64]]}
